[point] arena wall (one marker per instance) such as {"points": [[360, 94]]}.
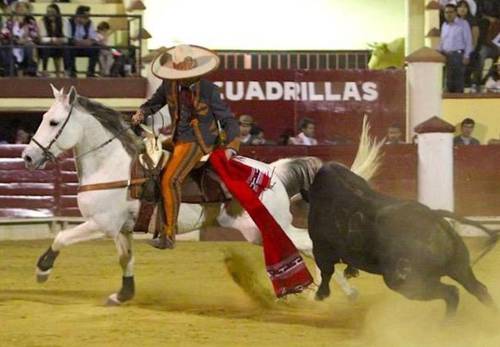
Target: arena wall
{"points": [[52, 191]]}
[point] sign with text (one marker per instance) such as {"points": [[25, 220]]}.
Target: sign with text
{"points": [[335, 100]]}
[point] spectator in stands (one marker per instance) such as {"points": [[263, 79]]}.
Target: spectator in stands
{"points": [[284, 138], [465, 136], [246, 123], [83, 37], [471, 5], [257, 136], [23, 136], [464, 12], [20, 30], [493, 78], [306, 135], [489, 29], [106, 58], [54, 32], [394, 135], [456, 45]]}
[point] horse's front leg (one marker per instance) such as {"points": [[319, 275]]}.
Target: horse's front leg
{"points": [[83, 232], [123, 242]]}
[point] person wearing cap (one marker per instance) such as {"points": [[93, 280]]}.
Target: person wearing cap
{"points": [[197, 110], [246, 123]]}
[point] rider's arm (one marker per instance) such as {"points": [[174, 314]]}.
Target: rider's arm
{"points": [[227, 120], [155, 102]]}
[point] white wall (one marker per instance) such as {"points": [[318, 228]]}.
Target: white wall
{"points": [[274, 24]]}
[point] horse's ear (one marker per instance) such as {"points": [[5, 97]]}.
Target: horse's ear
{"points": [[57, 93], [72, 94]]}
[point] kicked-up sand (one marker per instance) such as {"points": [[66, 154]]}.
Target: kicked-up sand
{"points": [[217, 294]]}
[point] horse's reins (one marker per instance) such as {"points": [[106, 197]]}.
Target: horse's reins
{"points": [[88, 187]]}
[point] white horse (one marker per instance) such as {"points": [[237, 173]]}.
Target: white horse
{"points": [[104, 147]]}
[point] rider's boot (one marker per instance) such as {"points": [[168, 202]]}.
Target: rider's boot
{"points": [[166, 239]]}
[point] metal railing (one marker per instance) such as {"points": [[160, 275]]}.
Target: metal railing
{"points": [[133, 39], [310, 60]]}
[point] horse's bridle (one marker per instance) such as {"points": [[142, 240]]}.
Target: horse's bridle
{"points": [[89, 187], [46, 150]]}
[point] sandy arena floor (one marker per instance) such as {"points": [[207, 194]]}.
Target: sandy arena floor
{"points": [[187, 297]]}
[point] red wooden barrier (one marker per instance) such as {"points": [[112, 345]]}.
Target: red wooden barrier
{"points": [[52, 191], [25, 193], [477, 180]]}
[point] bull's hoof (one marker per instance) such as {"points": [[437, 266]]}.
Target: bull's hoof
{"points": [[322, 294], [42, 276], [351, 272]]}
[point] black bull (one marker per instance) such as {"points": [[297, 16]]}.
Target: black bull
{"points": [[407, 243]]}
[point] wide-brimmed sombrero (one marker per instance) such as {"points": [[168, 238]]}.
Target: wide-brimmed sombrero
{"points": [[184, 61]]}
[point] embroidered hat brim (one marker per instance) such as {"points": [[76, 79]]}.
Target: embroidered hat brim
{"points": [[205, 61]]}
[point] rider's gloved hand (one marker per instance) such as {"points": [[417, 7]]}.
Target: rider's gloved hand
{"points": [[138, 117], [230, 153]]}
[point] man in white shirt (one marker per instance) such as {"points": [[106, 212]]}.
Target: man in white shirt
{"points": [[306, 135]]}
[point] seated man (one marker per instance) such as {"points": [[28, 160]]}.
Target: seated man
{"points": [[246, 123], [394, 135], [306, 135], [465, 137], [83, 37]]}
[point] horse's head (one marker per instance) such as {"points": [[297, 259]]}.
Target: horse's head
{"points": [[58, 132]]}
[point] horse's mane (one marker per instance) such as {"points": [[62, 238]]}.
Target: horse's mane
{"points": [[296, 173], [114, 122]]}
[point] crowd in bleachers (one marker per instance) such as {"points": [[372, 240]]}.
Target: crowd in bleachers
{"points": [[27, 42], [470, 34]]}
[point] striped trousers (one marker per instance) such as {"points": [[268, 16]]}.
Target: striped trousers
{"points": [[182, 160]]}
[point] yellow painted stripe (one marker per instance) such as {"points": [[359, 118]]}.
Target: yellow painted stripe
{"points": [[42, 104]]}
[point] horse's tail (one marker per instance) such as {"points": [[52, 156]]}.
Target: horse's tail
{"points": [[369, 155], [296, 174]]}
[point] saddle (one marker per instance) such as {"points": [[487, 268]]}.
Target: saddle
{"points": [[201, 186]]}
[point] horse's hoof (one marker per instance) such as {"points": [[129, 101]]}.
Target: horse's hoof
{"points": [[113, 300], [42, 276], [353, 295]]}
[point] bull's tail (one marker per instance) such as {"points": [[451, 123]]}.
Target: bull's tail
{"points": [[368, 157], [493, 234]]}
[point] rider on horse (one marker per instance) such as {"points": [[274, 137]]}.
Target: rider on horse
{"points": [[196, 110]]}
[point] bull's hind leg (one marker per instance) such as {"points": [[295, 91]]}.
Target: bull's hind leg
{"points": [[467, 278], [420, 287], [325, 258]]}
